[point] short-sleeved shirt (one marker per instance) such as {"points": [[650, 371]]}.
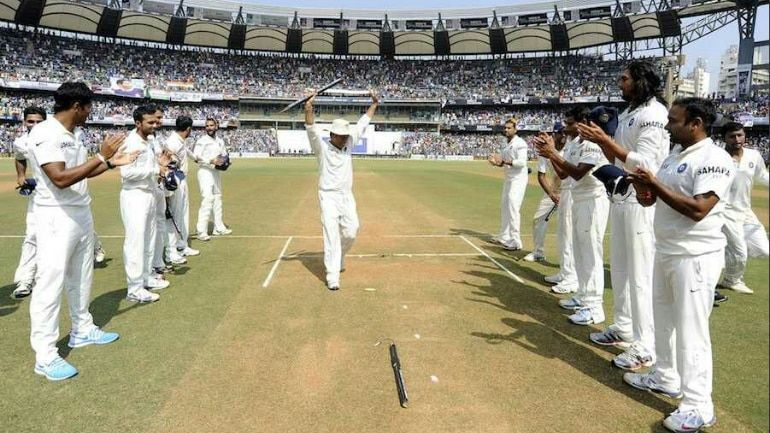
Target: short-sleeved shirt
{"points": [[335, 166], [48, 142], [515, 151], [586, 152], [20, 148], [749, 169], [698, 169], [176, 145], [642, 131], [143, 172], [206, 149], [567, 183]]}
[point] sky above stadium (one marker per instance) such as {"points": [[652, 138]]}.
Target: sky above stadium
{"points": [[710, 47]]}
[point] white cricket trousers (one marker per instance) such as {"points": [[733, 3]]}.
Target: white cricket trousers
{"points": [[65, 261], [510, 208], [746, 238], [632, 252], [159, 233], [540, 225], [564, 235], [340, 227], [210, 185], [25, 272], [137, 209], [589, 221], [683, 297], [179, 205]]}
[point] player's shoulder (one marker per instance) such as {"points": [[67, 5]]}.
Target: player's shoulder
{"points": [[654, 110]]}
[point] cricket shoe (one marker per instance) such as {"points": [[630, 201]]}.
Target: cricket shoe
{"points": [[177, 259], [719, 298], [96, 336], [157, 283], [570, 304], [554, 279], [222, 231], [58, 369], [564, 288], [143, 296], [632, 359], [203, 237], [646, 382], [588, 316], [739, 287], [534, 257], [609, 337], [687, 422], [189, 252], [22, 290], [99, 254]]}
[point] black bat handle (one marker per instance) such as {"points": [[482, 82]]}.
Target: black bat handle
{"points": [[403, 399]]}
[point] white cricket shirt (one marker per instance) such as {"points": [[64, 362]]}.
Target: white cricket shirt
{"points": [[48, 142], [176, 145], [749, 169], [515, 153], [144, 171], [335, 166], [586, 152], [699, 169], [206, 149], [20, 147]]}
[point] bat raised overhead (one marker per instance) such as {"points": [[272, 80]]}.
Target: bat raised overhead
{"points": [[303, 99]]}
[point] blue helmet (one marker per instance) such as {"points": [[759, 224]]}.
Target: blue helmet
{"points": [[615, 180], [606, 118], [225, 163], [29, 186]]}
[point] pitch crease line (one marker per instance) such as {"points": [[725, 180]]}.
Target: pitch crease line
{"points": [[277, 262], [514, 276], [361, 256]]}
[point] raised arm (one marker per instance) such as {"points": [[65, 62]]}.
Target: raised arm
{"points": [[309, 115], [64, 177], [375, 103]]}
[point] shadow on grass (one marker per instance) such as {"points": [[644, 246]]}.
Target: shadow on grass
{"points": [[8, 305], [485, 238], [103, 263], [553, 336], [312, 261]]}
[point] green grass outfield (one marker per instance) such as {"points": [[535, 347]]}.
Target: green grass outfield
{"points": [[228, 349]]}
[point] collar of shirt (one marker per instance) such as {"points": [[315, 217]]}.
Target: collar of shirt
{"points": [[58, 125], [695, 147]]}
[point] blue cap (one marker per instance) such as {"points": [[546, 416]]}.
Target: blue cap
{"points": [[606, 118], [615, 180], [558, 127], [29, 185]]}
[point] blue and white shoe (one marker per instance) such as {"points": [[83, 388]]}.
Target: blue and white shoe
{"points": [[570, 304], [58, 369], [96, 336], [647, 382], [687, 422]]}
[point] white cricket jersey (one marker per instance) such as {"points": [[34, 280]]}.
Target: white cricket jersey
{"points": [[568, 183], [642, 131], [48, 142], [144, 171], [699, 169], [586, 152], [176, 145], [335, 166], [206, 149], [20, 147], [750, 168], [515, 153]]}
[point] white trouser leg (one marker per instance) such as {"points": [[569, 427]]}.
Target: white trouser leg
{"points": [[331, 216], [179, 206], [506, 209], [349, 224], [65, 250], [25, 272], [589, 221], [137, 209], [564, 234], [219, 223], [736, 252], [540, 225], [631, 260], [206, 184], [756, 239], [158, 241], [683, 291]]}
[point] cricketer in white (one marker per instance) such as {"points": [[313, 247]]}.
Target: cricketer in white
{"points": [[335, 185], [208, 153]]}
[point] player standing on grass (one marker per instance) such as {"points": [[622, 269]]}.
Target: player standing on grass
{"points": [[209, 152], [640, 141], [689, 255], [25, 272], [179, 203], [335, 185], [64, 225], [513, 157], [590, 209], [549, 182], [746, 237]]}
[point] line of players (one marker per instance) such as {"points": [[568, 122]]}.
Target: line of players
{"points": [[60, 246], [680, 211]]}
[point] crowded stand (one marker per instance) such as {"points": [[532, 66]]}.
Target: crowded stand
{"points": [[43, 57]]}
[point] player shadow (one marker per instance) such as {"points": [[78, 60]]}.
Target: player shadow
{"points": [[312, 261], [552, 336], [484, 239], [8, 305], [180, 270]]}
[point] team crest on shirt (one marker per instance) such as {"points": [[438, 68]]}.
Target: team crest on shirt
{"points": [[751, 165], [681, 168], [631, 122]]}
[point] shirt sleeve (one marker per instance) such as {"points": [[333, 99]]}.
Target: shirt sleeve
{"points": [[20, 149], [173, 145], [314, 137], [199, 152], [137, 170], [714, 175], [542, 164], [360, 129], [47, 151], [761, 175], [652, 144]]}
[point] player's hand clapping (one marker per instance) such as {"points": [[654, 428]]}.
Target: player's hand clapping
{"points": [[593, 133]]}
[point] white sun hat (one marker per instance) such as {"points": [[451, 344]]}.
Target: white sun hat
{"points": [[340, 127]]}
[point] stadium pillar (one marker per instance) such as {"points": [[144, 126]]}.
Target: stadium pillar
{"points": [[747, 18]]}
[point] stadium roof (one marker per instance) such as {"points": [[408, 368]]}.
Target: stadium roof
{"points": [[525, 28]]}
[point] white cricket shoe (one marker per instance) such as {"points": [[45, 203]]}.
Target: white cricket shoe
{"points": [[588, 316], [739, 287], [189, 252], [564, 288], [204, 237], [157, 283], [222, 232], [554, 279], [570, 304], [143, 296], [534, 257]]}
